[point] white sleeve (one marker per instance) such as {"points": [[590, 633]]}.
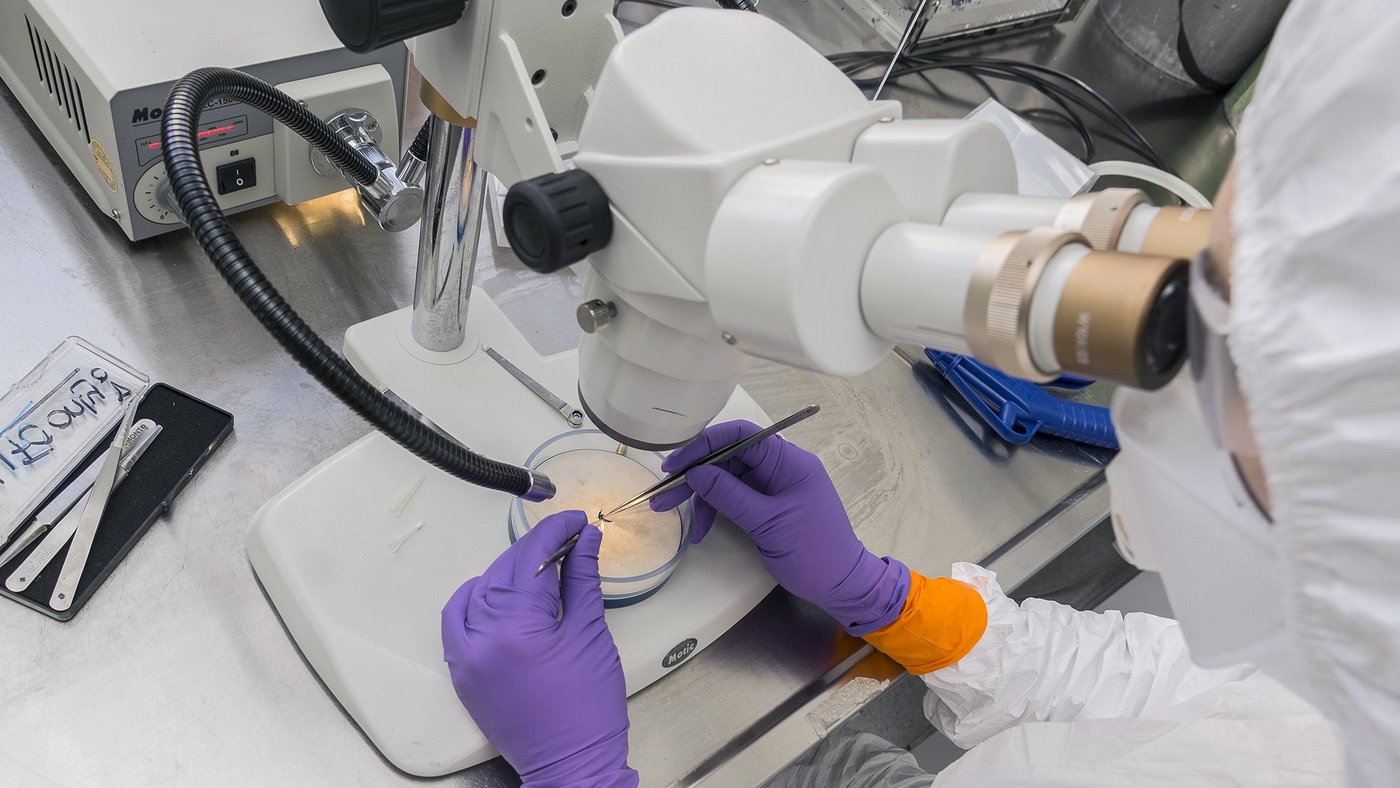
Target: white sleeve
{"points": [[1043, 661]]}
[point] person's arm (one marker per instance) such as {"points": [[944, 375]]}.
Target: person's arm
{"points": [[1043, 661], [989, 662], [782, 497]]}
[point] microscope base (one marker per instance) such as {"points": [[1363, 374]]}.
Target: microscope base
{"points": [[359, 554]]}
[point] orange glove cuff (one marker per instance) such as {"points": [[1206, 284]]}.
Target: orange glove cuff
{"points": [[941, 621]]}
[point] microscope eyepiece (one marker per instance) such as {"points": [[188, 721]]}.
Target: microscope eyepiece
{"points": [[1042, 302], [1164, 340]]}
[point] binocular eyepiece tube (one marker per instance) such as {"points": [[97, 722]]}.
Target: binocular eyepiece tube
{"points": [[1035, 304]]}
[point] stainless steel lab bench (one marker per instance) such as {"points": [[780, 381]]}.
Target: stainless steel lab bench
{"points": [[179, 672]]}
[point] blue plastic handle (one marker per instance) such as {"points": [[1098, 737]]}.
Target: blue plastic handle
{"points": [[1017, 409], [1003, 411]]}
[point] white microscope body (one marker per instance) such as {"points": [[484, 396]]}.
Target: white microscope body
{"points": [[743, 209], [781, 214]]}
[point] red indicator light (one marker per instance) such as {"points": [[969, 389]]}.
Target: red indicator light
{"points": [[201, 135]]}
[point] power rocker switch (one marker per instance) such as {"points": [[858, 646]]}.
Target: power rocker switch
{"points": [[237, 175]]}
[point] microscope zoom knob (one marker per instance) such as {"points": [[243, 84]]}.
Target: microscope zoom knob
{"points": [[556, 220], [366, 25]]}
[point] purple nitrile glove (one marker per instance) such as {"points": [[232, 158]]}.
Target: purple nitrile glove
{"points": [[783, 498], [547, 690]]}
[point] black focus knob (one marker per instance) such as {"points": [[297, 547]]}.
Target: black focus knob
{"points": [[557, 219], [365, 25]]}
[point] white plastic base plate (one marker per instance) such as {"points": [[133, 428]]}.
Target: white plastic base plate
{"points": [[360, 554]]}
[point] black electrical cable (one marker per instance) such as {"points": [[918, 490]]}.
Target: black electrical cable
{"points": [[854, 62], [1099, 134], [1070, 120], [1099, 105], [1080, 127], [657, 3], [736, 5], [1075, 121], [1056, 86], [1010, 70], [206, 220], [1118, 118]]}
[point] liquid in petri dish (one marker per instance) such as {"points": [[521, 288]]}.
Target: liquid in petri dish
{"points": [[636, 541]]}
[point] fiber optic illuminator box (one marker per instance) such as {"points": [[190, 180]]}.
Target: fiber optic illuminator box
{"points": [[94, 75]]}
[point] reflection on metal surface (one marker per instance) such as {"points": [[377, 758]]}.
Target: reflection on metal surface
{"points": [[447, 243], [296, 222], [394, 204]]}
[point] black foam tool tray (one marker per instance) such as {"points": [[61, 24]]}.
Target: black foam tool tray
{"points": [[191, 430]]}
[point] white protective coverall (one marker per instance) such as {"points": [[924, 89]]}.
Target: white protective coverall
{"points": [[1053, 696]]}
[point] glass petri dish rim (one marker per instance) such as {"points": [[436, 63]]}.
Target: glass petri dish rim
{"points": [[539, 455]]}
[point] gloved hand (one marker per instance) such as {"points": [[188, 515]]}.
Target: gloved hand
{"points": [[547, 690], [782, 497]]}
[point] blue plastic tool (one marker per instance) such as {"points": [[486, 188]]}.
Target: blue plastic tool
{"points": [[1018, 409], [1070, 383]]}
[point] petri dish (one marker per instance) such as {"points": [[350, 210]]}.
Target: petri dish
{"points": [[641, 548]]}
